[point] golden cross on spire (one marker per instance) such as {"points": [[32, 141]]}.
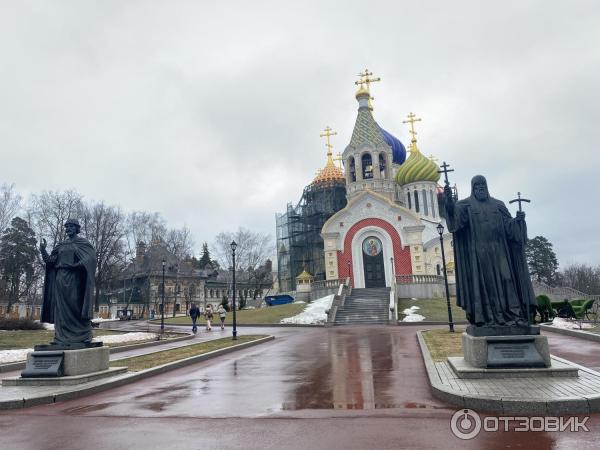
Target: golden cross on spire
{"points": [[338, 158], [328, 132], [412, 120], [365, 78]]}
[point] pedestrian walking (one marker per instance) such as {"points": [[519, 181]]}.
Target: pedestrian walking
{"points": [[208, 315], [222, 314], [194, 314]]}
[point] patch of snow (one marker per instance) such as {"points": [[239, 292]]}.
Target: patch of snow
{"points": [[411, 316], [414, 318], [48, 326], [559, 322], [9, 356], [127, 337], [100, 319], [299, 301], [315, 313]]}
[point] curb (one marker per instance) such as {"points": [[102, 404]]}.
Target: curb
{"points": [[429, 322], [573, 333], [125, 379], [560, 406], [18, 365], [306, 325]]}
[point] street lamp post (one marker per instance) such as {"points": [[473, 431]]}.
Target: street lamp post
{"points": [[162, 305], [233, 247], [440, 229]]}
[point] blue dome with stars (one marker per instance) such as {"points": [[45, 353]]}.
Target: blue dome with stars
{"points": [[398, 150]]}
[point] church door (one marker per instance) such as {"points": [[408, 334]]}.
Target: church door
{"points": [[373, 263]]}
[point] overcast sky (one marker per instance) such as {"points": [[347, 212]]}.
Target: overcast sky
{"points": [[210, 112]]}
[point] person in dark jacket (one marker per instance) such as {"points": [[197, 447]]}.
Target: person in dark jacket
{"points": [[194, 314]]}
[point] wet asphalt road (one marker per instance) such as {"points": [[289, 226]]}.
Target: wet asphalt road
{"points": [[350, 388]]}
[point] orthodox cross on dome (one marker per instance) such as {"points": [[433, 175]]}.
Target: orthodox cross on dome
{"points": [[412, 119], [328, 132], [520, 200], [338, 158], [365, 79], [432, 158]]}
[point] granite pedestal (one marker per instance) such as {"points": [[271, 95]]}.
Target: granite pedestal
{"points": [[504, 352], [46, 367]]}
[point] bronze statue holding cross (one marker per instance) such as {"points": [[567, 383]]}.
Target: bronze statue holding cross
{"points": [[493, 283]]}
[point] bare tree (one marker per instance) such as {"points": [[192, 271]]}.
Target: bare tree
{"points": [[104, 227], [48, 212], [10, 203], [253, 248], [582, 277], [180, 242], [144, 226]]}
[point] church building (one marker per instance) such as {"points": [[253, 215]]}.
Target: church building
{"points": [[388, 228]]}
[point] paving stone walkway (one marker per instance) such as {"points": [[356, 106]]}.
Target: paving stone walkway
{"points": [[530, 395]]}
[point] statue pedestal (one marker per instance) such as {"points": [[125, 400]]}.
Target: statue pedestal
{"points": [[65, 368], [504, 352], [516, 356], [58, 363]]}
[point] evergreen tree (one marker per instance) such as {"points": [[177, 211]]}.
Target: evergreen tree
{"points": [[17, 256], [205, 258], [541, 260]]}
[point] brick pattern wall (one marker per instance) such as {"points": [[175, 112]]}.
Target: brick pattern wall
{"points": [[402, 259]]}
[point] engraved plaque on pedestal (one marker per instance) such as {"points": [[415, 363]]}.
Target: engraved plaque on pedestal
{"points": [[513, 352], [43, 365]]}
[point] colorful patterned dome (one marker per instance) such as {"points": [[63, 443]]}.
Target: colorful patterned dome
{"points": [[417, 168], [329, 173]]}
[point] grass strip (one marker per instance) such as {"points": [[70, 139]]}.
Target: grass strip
{"points": [[433, 309], [142, 362], [266, 315], [442, 343], [11, 340]]}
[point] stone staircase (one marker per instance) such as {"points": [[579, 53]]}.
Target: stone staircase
{"points": [[365, 307]]}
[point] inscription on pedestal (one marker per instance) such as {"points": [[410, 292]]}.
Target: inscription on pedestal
{"points": [[513, 353], [43, 364]]}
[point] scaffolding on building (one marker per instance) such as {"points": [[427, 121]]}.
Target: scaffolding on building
{"points": [[299, 242]]}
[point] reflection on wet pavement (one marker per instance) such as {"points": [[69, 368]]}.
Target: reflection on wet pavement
{"points": [[350, 368]]}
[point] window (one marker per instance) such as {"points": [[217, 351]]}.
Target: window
{"points": [[416, 201], [352, 169], [432, 203], [382, 164], [409, 200], [425, 208], [438, 269], [367, 166]]}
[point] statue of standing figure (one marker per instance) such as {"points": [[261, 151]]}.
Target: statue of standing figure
{"points": [[493, 283], [69, 289]]}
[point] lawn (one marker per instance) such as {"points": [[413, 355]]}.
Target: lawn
{"points": [[266, 315], [10, 340], [434, 309], [137, 363], [442, 343]]}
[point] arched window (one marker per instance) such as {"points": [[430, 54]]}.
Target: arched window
{"points": [[352, 169], [382, 164], [367, 166], [438, 269], [409, 200], [432, 204], [416, 201], [425, 208]]}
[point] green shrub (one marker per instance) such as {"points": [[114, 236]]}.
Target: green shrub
{"points": [[20, 324]]}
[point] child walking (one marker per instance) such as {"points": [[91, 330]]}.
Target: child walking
{"points": [[222, 314]]}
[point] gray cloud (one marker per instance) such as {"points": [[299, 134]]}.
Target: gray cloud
{"points": [[211, 113]]}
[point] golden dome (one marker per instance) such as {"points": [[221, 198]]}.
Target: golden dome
{"points": [[329, 173], [304, 276]]}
